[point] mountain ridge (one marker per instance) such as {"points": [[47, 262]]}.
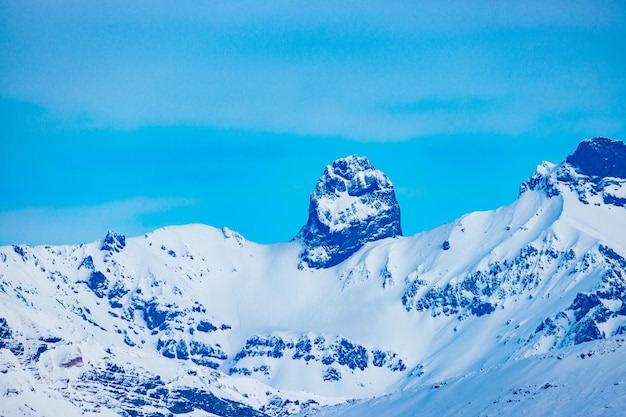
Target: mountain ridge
{"points": [[203, 319]]}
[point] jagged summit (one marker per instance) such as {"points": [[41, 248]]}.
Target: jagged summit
{"points": [[595, 172], [113, 242], [600, 157], [353, 203]]}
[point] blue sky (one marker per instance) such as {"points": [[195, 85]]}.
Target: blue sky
{"points": [[136, 116]]}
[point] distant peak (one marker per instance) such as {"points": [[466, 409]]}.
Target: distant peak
{"points": [[113, 242], [353, 203], [600, 157], [595, 172]]}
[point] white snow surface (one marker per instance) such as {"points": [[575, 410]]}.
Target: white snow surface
{"points": [[586, 380], [455, 363]]}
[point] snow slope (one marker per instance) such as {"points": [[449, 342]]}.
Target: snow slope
{"points": [[193, 319], [585, 380]]}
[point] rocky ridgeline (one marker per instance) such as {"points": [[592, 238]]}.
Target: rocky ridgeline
{"points": [[337, 354], [139, 393], [596, 314], [596, 172], [483, 290]]}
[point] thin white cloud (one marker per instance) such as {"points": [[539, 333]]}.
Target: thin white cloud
{"points": [[390, 15], [310, 68], [73, 225]]}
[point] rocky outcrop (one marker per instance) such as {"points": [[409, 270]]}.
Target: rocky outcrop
{"points": [[113, 242], [596, 172], [600, 157], [353, 203]]}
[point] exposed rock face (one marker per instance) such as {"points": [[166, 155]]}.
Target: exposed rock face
{"points": [[600, 157], [596, 172], [353, 203], [113, 242], [337, 354], [588, 317]]}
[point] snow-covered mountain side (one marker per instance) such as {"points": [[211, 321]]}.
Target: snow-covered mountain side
{"points": [[195, 320]]}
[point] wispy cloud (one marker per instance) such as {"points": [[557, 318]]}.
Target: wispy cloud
{"points": [[73, 225], [316, 68]]}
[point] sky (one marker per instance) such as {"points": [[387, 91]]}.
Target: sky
{"points": [[132, 116]]}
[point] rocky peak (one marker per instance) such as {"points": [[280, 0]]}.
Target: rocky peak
{"points": [[600, 157], [113, 242], [595, 172], [353, 203]]}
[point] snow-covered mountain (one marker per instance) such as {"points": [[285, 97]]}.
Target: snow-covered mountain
{"points": [[497, 312]]}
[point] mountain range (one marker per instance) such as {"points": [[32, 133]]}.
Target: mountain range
{"points": [[516, 311]]}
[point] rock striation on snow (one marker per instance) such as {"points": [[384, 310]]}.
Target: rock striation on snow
{"points": [[353, 203]]}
